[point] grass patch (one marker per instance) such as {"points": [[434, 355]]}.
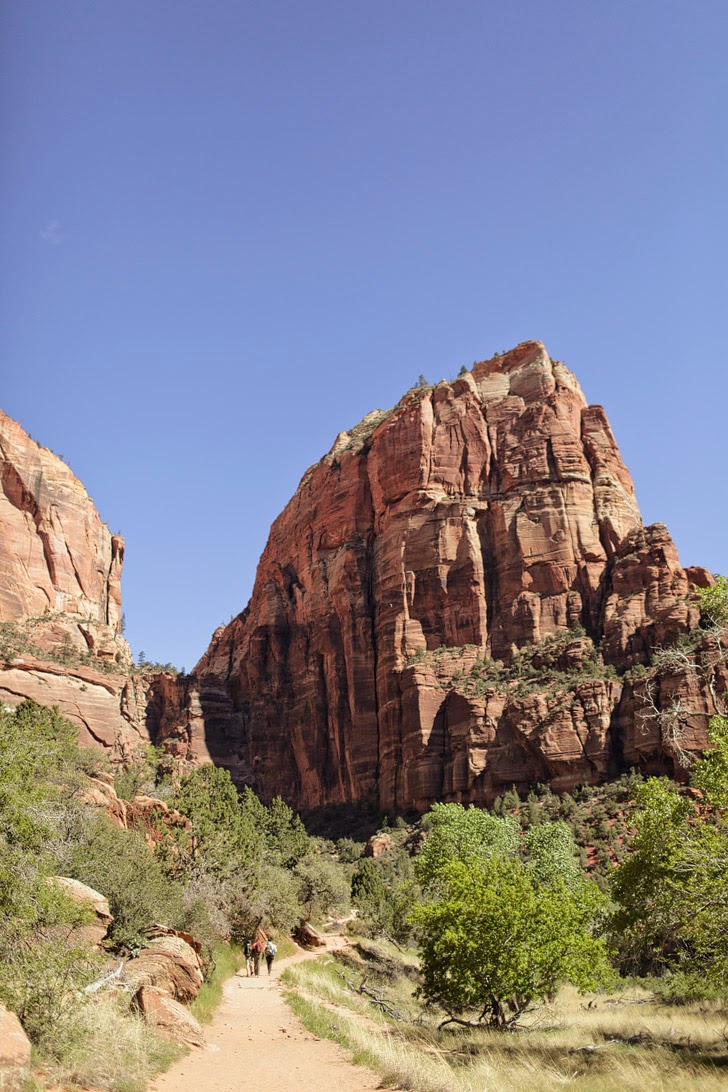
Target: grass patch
{"points": [[101, 1044], [286, 947], [597, 1043], [229, 958]]}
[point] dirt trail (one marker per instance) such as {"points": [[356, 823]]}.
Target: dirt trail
{"points": [[256, 1043]]}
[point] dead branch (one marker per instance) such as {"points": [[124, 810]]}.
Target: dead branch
{"points": [[376, 997]]}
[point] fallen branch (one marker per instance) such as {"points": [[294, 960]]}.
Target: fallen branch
{"points": [[376, 997], [105, 980]]}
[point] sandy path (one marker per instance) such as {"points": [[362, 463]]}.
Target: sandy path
{"points": [[256, 1043]]}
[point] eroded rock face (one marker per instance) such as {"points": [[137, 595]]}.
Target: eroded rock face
{"points": [[484, 516], [169, 963], [171, 1019], [60, 611], [58, 561]]}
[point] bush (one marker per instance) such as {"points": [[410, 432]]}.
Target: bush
{"points": [[119, 864]]}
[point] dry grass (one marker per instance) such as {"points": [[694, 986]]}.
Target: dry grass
{"points": [[105, 1046], [595, 1044]]}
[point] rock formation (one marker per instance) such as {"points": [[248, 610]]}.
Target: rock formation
{"points": [[460, 597], [379, 657], [60, 607]]}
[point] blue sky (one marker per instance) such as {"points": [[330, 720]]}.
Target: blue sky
{"points": [[231, 229]]}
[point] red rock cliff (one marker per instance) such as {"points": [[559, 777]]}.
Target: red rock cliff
{"points": [[60, 608], [433, 542]]}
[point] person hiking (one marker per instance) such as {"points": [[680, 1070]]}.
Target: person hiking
{"points": [[248, 948], [270, 953], [258, 947]]}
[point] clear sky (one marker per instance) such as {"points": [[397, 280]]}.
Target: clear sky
{"points": [[230, 229]]}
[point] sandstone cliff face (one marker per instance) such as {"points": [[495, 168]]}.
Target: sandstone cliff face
{"points": [[481, 516], [59, 564], [60, 607]]}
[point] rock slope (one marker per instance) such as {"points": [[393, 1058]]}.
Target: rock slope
{"points": [[378, 658]]}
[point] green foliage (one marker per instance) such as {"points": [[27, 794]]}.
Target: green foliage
{"points": [[118, 863], [287, 842], [671, 893], [497, 940], [223, 832], [140, 773], [714, 602], [466, 835], [323, 887], [384, 893]]}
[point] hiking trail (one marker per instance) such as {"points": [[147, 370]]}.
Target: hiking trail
{"points": [[256, 1043]]}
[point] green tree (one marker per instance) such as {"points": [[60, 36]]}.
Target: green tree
{"points": [[468, 835], [714, 602], [497, 941], [223, 839], [384, 898], [322, 886], [671, 892]]}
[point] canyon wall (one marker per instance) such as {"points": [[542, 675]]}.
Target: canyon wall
{"points": [[460, 597], [378, 658], [60, 609]]}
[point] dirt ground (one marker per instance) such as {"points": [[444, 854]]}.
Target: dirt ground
{"points": [[256, 1044]]}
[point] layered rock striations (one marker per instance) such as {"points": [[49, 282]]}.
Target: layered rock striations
{"points": [[60, 607], [58, 562], [378, 658], [460, 597]]}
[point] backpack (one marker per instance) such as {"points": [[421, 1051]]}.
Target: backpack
{"points": [[270, 948]]}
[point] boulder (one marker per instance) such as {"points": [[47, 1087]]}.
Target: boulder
{"points": [[378, 845], [305, 935], [168, 1017], [169, 963], [95, 932], [14, 1052]]}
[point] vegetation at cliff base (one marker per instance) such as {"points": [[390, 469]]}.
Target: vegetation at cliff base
{"points": [[590, 926], [206, 860]]}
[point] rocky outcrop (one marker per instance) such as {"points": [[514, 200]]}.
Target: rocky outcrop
{"points": [[168, 1017], [484, 516], [59, 564], [458, 598], [60, 612], [14, 1052], [94, 904], [169, 963]]}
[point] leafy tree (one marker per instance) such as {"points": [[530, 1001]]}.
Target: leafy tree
{"points": [[384, 898], [497, 941], [285, 834], [714, 602], [322, 886], [671, 892], [467, 835], [224, 838]]}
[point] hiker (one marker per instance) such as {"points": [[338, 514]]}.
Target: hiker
{"points": [[248, 948], [258, 946], [270, 953]]}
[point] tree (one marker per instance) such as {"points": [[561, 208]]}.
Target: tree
{"points": [[384, 895], [510, 916], [497, 941], [457, 833], [671, 892], [322, 886], [714, 602]]}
